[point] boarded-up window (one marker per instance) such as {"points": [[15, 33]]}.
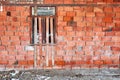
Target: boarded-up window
{"points": [[45, 24]]}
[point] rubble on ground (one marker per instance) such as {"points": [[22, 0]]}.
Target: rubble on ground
{"points": [[76, 74]]}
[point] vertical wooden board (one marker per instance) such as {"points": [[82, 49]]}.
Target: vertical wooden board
{"points": [[52, 39], [40, 30], [51, 30], [47, 41], [47, 30]]}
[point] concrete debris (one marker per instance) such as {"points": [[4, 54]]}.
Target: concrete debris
{"points": [[81, 74]]}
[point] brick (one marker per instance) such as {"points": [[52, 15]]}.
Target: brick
{"points": [[10, 57], [107, 19], [70, 63], [98, 62], [48, 1], [80, 14], [9, 33], [116, 29], [98, 29], [3, 18], [87, 38], [67, 18], [60, 8], [109, 43], [18, 33], [6, 43], [11, 48], [78, 19], [12, 28], [61, 13], [80, 62], [22, 62], [106, 38], [13, 43], [100, 14], [108, 9], [90, 34], [3, 62], [90, 43], [89, 9], [25, 43], [2, 28], [71, 43], [2, 48], [117, 25], [19, 48], [14, 19], [81, 24], [2, 33], [58, 2], [68, 1], [60, 52], [68, 8], [14, 38], [10, 8], [24, 38], [116, 39], [80, 43], [80, 34], [115, 48], [70, 13], [77, 38], [15, 13], [117, 14], [109, 33], [68, 28], [5, 38], [117, 33], [61, 33], [108, 62], [88, 19], [30, 62], [110, 14], [100, 34], [3, 52], [1, 24], [98, 9], [117, 43], [90, 14], [60, 63], [20, 57], [97, 20], [70, 33], [116, 9], [62, 23], [29, 57], [10, 63]]}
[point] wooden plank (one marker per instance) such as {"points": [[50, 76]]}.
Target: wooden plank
{"points": [[52, 39], [47, 41], [47, 30], [35, 38], [40, 30], [51, 30]]}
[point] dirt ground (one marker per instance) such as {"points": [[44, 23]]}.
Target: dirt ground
{"points": [[76, 74]]}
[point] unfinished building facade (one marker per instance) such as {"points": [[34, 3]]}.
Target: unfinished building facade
{"points": [[59, 34]]}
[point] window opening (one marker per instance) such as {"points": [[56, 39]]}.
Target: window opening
{"points": [[45, 25]]}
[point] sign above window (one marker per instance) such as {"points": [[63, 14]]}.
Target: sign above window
{"points": [[44, 11]]}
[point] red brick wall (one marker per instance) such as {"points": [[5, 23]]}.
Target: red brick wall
{"points": [[87, 36], [14, 35]]}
